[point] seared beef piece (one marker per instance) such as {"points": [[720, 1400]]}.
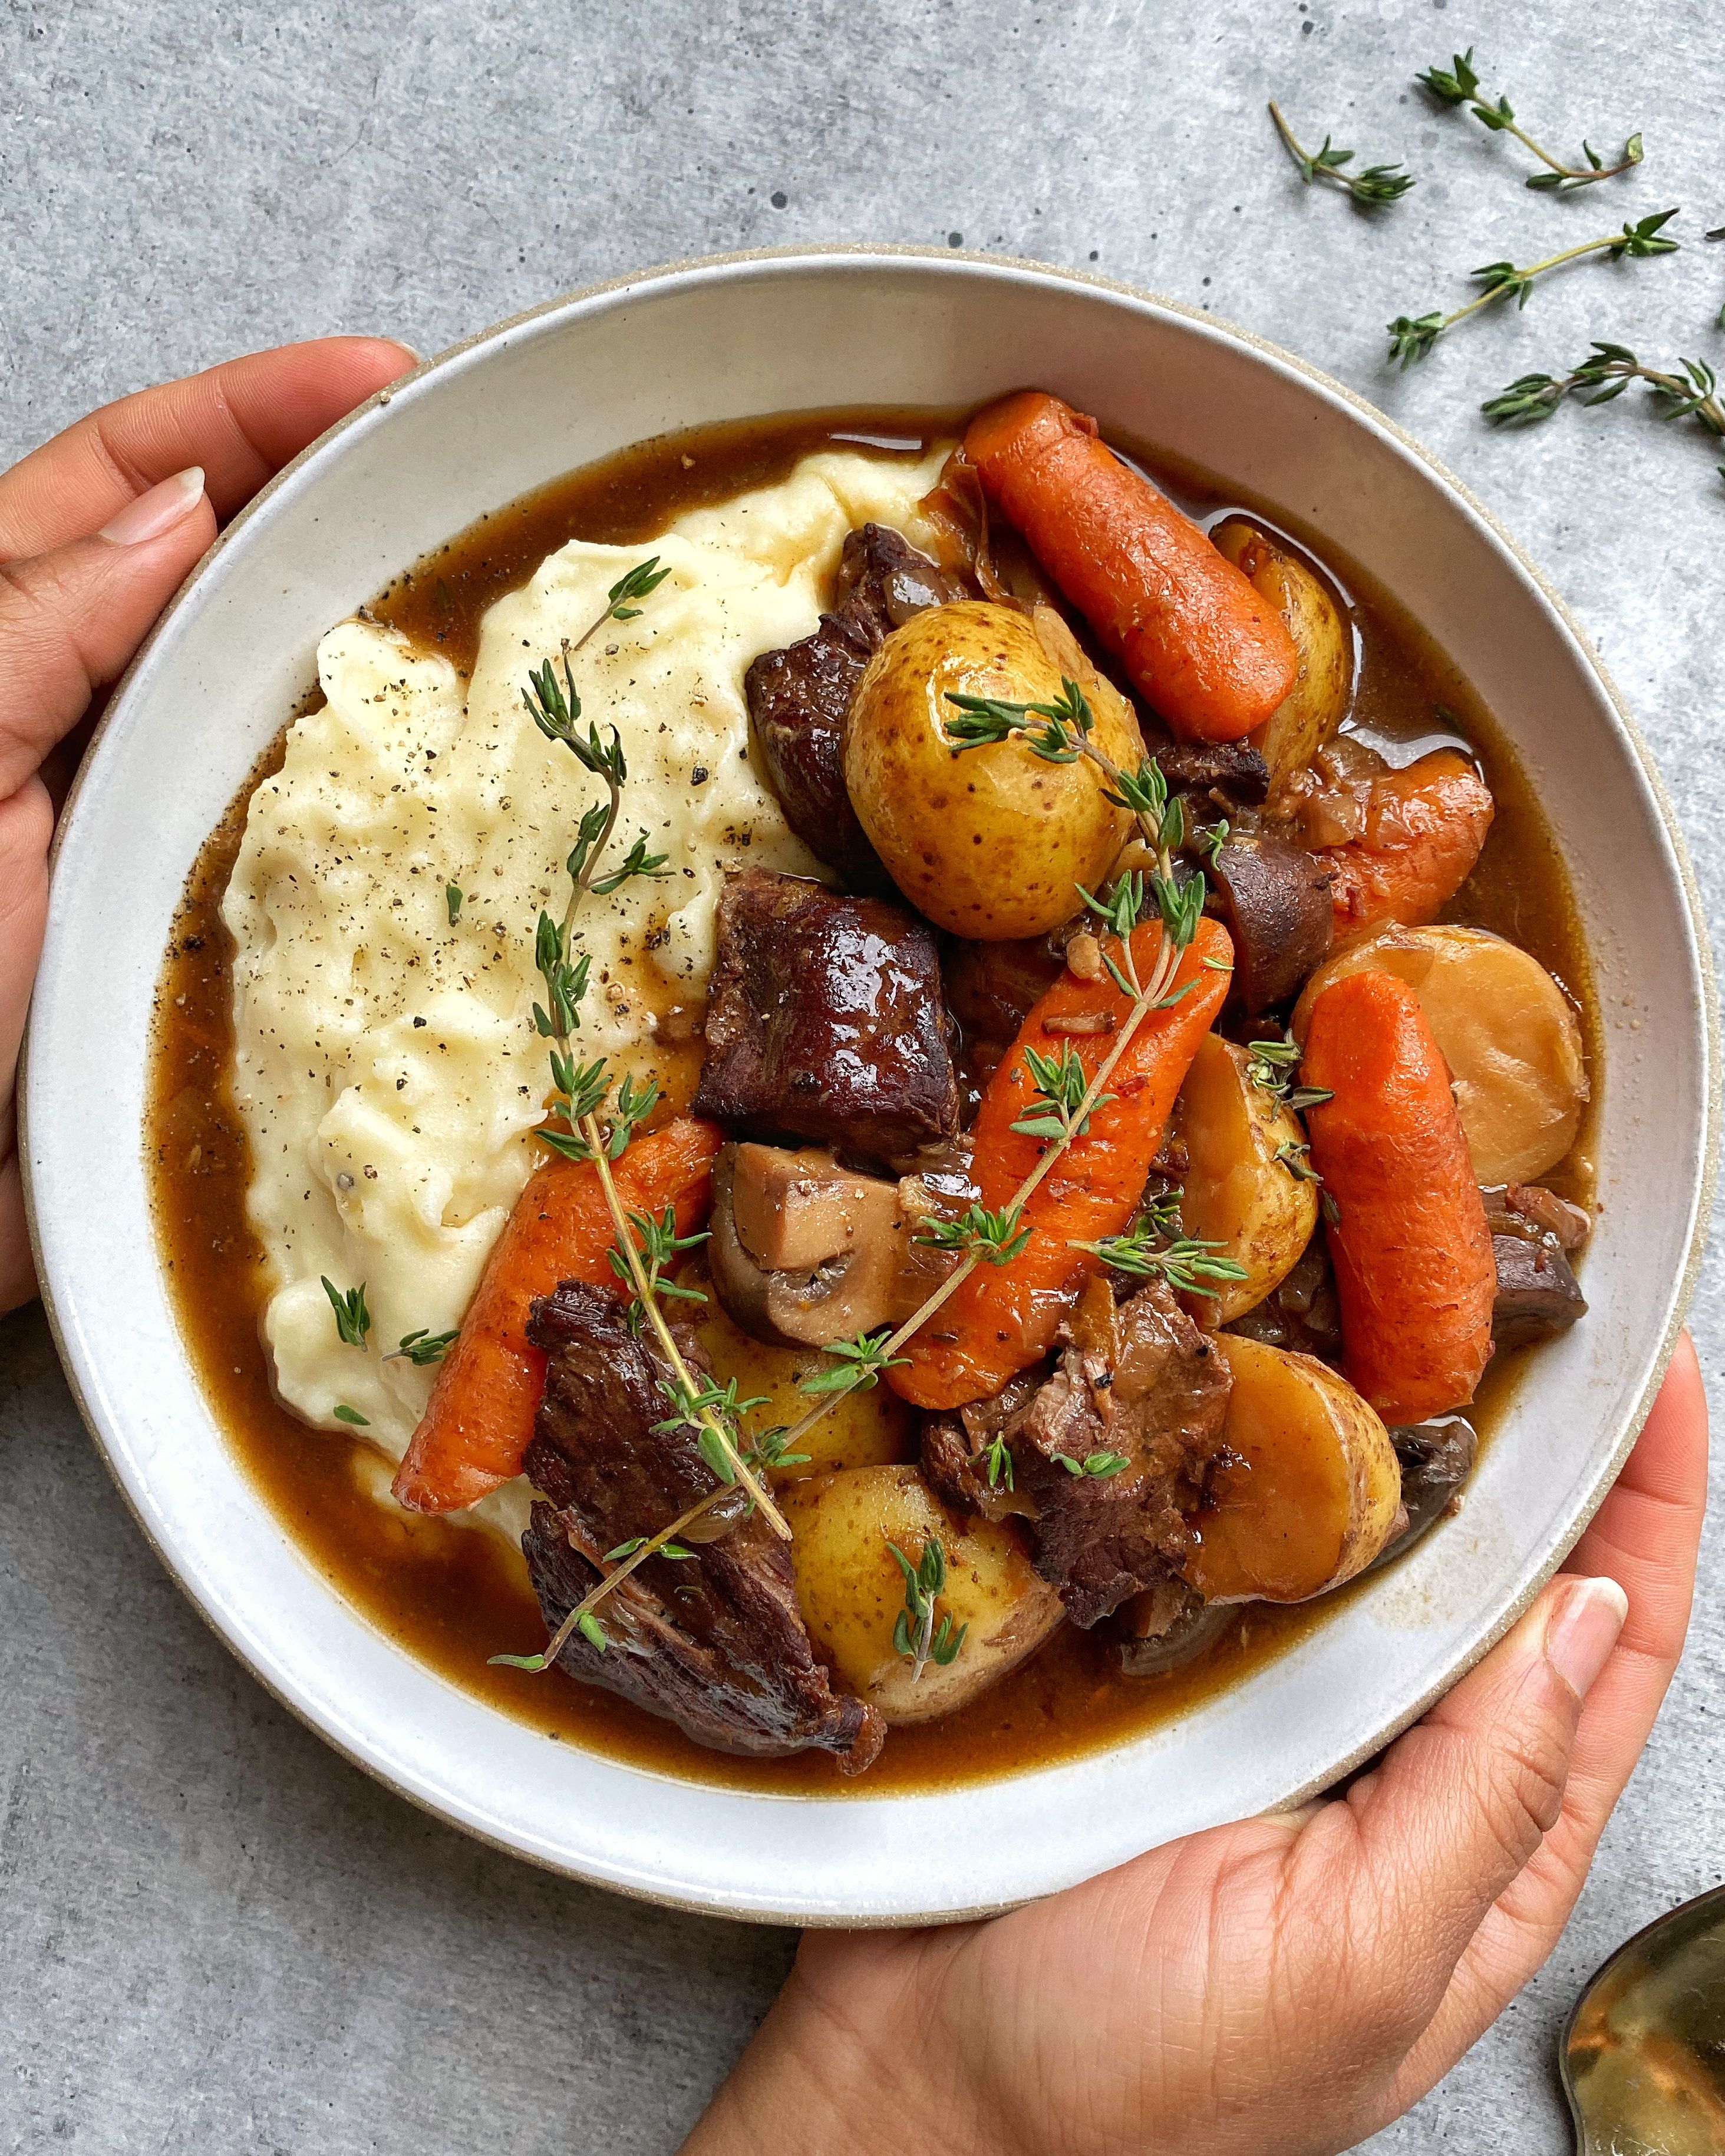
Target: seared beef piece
{"points": [[714, 1642], [1273, 899], [800, 697], [1234, 771], [1302, 1314], [825, 1021], [1138, 1380], [1537, 1297]]}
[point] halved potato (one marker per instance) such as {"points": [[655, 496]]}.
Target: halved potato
{"points": [[988, 842], [1507, 1030], [1238, 1194], [1316, 1491], [851, 1588], [1314, 707], [862, 1430]]}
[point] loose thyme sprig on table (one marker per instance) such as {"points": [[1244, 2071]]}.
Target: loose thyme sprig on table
{"points": [[1412, 337], [1458, 85], [1691, 391], [1375, 188]]}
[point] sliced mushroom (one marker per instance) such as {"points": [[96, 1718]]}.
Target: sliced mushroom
{"points": [[1275, 901], [803, 1251]]}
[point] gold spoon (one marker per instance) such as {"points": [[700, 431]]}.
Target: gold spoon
{"points": [[1643, 2057]]}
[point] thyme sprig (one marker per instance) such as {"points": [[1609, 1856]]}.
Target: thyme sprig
{"points": [[1458, 85], [353, 1320], [1098, 1464], [1411, 337], [1185, 1262], [1273, 1065], [1297, 1159], [1375, 188], [423, 1347], [1062, 1086], [1689, 391], [659, 1246], [914, 1635]]}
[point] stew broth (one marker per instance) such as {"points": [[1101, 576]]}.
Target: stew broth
{"points": [[453, 1594]]}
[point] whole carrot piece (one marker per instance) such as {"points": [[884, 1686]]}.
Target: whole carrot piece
{"points": [[1004, 1318], [1426, 825], [1204, 646], [474, 1432], [1415, 1272]]}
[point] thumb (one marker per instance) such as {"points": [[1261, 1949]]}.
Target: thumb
{"points": [[71, 619], [1425, 1844]]}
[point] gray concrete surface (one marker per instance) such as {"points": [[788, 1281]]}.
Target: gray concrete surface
{"points": [[213, 1934]]}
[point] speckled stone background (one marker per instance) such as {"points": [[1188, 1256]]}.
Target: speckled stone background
{"points": [[213, 1934]]}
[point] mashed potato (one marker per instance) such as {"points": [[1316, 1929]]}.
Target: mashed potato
{"points": [[386, 1070]]}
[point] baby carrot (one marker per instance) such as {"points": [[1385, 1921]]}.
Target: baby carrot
{"points": [[1206, 649], [474, 1432], [1424, 827], [1414, 1271], [1004, 1318]]}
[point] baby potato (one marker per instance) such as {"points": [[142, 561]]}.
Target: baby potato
{"points": [[1317, 1491], [851, 1589], [988, 842], [1237, 1192], [1313, 709], [1507, 1030], [862, 1430]]}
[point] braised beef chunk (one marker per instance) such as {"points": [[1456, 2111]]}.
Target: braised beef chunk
{"points": [[1273, 899], [1138, 1385], [714, 1641], [1537, 1294], [825, 1020], [1233, 773], [800, 697]]}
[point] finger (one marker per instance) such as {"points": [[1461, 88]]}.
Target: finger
{"points": [[1419, 1850], [1646, 1536], [240, 421], [71, 619]]}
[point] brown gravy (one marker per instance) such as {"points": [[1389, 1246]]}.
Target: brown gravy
{"points": [[452, 1595]]}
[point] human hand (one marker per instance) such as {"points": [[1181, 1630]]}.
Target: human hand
{"points": [[98, 528], [1288, 1985]]}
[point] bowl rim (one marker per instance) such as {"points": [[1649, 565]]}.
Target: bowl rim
{"points": [[856, 254]]}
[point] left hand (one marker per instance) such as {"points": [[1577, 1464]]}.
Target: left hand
{"points": [[98, 530], [1286, 1986]]}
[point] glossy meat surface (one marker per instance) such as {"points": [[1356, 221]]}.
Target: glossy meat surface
{"points": [[826, 1021], [714, 1641], [800, 697]]}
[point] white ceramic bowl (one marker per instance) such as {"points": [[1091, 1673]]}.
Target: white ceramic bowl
{"points": [[719, 340]]}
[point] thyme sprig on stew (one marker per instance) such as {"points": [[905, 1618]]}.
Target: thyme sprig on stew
{"points": [[1183, 1262], [1273, 1066], [914, 1635], [1411, 337], [422, 1347], [588, 1122], [353, 1320], [1689, 391], [1458, 85], [1374, 187]]}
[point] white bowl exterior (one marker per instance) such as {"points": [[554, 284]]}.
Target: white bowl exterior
{"points": [[720, 341]]}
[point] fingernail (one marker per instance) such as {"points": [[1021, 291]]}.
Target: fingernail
{"points": [[1583, 1630], [157, 511]]}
